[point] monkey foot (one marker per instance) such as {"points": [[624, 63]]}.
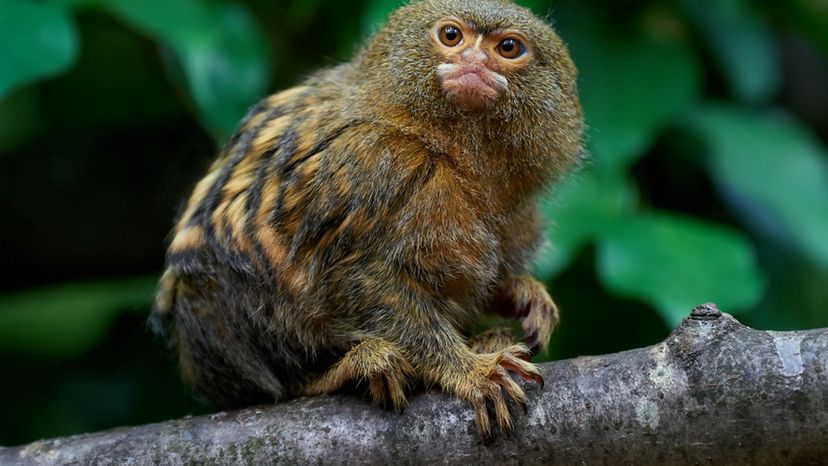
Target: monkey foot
{"points": [[375, 362], [491, 385], [492, 341]]}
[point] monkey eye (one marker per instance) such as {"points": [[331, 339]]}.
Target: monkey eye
{"points": [[511, 48], [450, 35]]}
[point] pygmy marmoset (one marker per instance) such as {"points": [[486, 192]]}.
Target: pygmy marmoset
{"points": [[356, 225]]}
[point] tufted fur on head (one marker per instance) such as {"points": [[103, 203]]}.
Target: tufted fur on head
{"points": [[538, 119]]}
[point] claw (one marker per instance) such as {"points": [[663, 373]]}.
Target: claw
{"points": [[516, 394], [376, 387], [396, 394], [537, 378], [517, 349], [504, 419], [490, 395], [531, 340], [481, 417], [522, 368]]}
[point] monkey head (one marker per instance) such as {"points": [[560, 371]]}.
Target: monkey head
{"points": [[476, 67]]}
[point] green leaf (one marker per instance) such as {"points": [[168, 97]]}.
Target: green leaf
{"points": [[632, 85], [676, 263], [773, 172], [220, 49], [582, 207], [742, 44], [39, 40], [65, 321]]}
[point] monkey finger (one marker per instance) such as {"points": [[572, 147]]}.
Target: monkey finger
{"points": [[531, 340], [524, 369], [515, 393], [504, 418], [396, 393], [542, 319], [376, 386], [481, 417]]}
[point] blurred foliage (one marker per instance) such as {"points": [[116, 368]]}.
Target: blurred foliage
{"points": [[39, 40], [708, 176], [34, 321]]}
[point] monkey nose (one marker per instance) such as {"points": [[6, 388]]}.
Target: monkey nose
{"points": [[473, 55]]}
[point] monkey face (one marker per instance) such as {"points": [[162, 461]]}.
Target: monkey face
{"points": [[466, 68], [472, 62]]}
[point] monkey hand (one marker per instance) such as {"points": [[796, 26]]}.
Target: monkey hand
{"points": [[526, 297]]}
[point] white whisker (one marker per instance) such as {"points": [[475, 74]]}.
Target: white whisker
{"points": [[500, 81], [445, 68]]}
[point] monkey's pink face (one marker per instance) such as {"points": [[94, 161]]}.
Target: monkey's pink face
{"points": [[474, 74]]}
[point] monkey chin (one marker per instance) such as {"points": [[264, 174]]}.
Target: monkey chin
{"points": [[471, 87]]}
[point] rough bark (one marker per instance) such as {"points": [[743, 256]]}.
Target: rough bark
{"points": [[714, 392]]}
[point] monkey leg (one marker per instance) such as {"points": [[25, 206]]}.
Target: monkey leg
{"points": [[492, 340], [526, 297], [441, 356], [420, 325], [378, 363]]}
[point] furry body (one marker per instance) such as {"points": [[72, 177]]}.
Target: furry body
{"points": [[356, 226]]}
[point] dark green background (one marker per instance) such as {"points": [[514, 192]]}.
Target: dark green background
{"points": [[708, 179]]}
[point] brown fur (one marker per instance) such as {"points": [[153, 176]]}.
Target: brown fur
{"points": [[355, 226]]}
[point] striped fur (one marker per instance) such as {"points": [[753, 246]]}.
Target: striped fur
{"points": [[355, 226]]}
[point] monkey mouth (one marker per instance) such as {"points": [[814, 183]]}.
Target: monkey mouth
{"points": [[471, 86]]}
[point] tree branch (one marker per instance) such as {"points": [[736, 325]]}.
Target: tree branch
{"points": [[714, 391]]}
